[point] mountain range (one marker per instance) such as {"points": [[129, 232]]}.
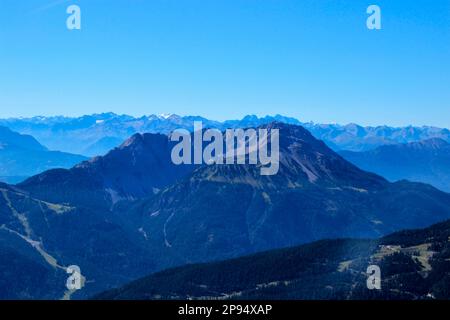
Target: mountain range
{"points": [[231, 210], [22, 156], [132, 212], [425, 161], [96, 134]]}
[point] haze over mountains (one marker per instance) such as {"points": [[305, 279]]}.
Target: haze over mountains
{"points": [[425, 161], [132, 212], [96, 134], [22, 156]]}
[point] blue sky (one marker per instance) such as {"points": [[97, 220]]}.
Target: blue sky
{"points": [[311, 59]]}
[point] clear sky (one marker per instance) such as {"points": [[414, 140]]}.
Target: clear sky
{"points": [[311, 59]]}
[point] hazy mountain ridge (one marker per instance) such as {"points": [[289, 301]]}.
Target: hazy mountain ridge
{"points": [[22, 156], [354, 137], [11, 139], [98, 133], [426, 161]]}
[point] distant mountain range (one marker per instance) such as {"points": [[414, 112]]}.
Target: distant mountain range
{"points": [[414, 265], [132, 212], [96, 134], [425, 161], [21, 156]]}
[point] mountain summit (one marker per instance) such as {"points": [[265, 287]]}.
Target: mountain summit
{"points": [[228, 210], [139, 167]]}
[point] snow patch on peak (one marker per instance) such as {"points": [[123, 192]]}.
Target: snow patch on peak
{"points": [[165, 115]]}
